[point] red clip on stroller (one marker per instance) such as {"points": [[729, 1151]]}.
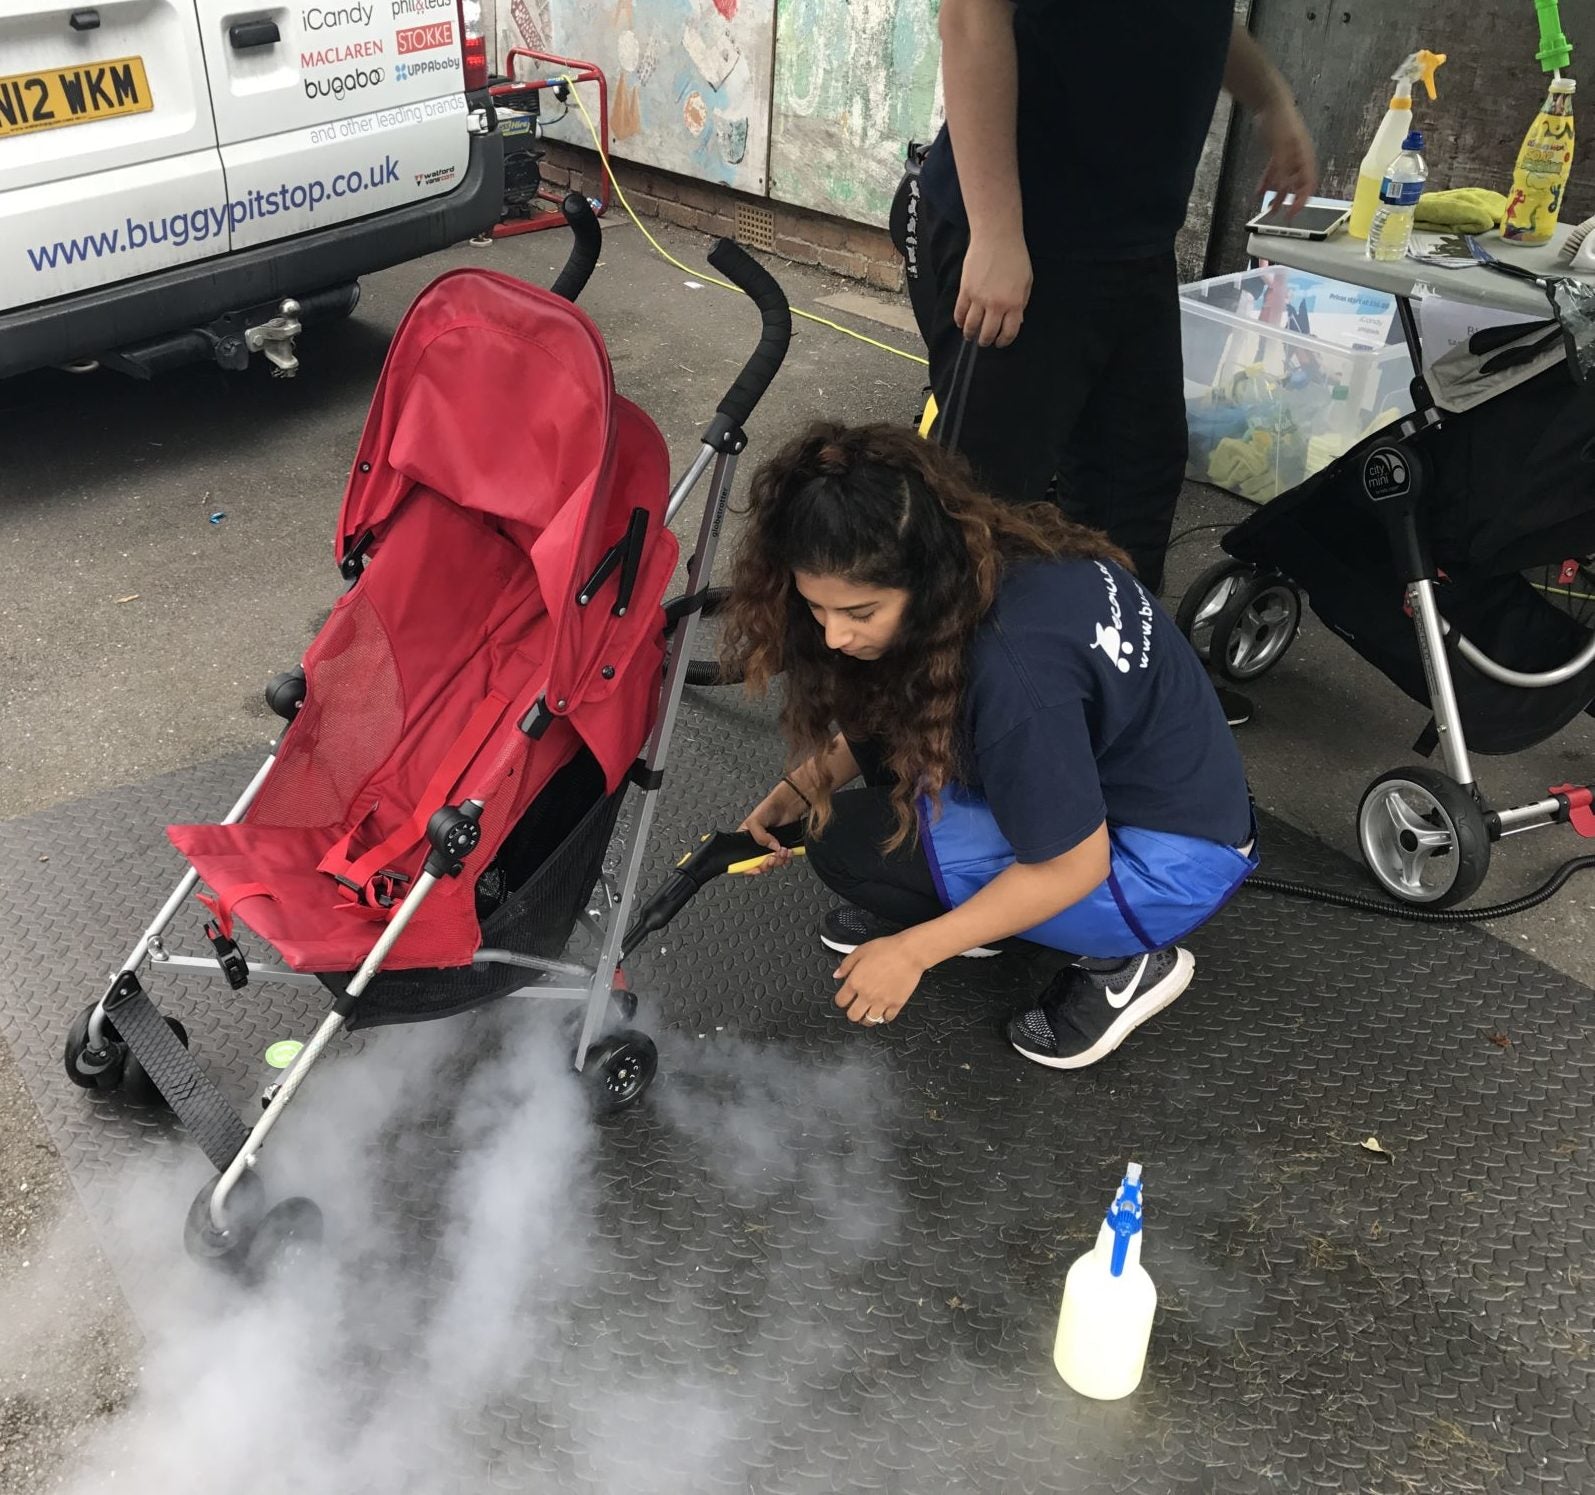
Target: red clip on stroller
{"points": [[477, 703]]}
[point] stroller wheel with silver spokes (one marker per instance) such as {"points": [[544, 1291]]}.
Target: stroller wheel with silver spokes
{"points": [[1206, 598], [1423, 837], [1252, 631]]}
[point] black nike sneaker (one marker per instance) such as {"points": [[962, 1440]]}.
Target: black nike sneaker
{"points": [[1087, 1010], [845, 928]]}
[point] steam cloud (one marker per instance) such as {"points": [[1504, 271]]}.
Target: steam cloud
{"points": [[477, 1221]]}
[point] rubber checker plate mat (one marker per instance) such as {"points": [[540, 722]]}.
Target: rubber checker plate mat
{"points": [[870, 1303]]}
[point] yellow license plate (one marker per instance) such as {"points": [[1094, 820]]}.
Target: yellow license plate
{"points": [[73, 95]]}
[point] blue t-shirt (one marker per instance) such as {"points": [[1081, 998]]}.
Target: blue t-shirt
{"points": [[1084, 703]]}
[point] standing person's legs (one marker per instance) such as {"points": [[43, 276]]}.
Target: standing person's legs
{"points": [[1124, 460], [1019, 403]]}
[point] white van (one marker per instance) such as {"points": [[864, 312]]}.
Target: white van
{"points": [[187, 179]]}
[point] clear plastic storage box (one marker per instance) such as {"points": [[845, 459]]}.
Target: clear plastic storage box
{"points": [[1284, 371]]}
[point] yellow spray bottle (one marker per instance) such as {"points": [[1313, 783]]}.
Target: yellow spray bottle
{"points": [[1546, 160], [1393, 129]]}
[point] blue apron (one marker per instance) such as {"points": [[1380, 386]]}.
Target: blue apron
{"points": [[1160, 886]]}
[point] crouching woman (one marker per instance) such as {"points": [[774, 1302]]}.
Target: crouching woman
{"points": [[993, 730]]}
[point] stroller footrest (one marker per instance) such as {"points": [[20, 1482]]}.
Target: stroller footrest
{"points": [[187, 1089]]}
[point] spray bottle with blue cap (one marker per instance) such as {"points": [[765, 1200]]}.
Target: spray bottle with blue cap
{"points": [[1109, 1301]]}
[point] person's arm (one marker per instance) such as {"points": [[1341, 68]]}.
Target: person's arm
{"points": [[1256, 84], [980, 79], [1016, 899], [784, 804], [881, 976]]}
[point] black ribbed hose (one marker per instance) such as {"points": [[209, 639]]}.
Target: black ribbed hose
{"points": [[1413, 915]]}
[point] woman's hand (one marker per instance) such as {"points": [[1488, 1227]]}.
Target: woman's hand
{"points": [[781, 806], [880, 977]]}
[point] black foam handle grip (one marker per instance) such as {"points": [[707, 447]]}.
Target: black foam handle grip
{"points": [[586, 241], [750, 277]]}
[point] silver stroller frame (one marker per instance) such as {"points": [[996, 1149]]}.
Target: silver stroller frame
{"points": [[218, 1227]]}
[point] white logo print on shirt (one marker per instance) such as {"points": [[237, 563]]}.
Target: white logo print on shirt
{"points": [[1118, 650], [1110, 637]]}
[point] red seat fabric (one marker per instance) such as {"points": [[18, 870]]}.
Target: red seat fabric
{"points": [[496, 468]]}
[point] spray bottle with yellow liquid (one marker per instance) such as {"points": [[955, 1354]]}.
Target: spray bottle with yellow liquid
{"points": [[1546, 160], [1393, 129]]}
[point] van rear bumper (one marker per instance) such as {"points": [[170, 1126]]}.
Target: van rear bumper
{"points": [[89, 323]]}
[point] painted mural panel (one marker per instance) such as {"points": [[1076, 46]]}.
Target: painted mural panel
{"points": [[854, 83], [689, 80]]}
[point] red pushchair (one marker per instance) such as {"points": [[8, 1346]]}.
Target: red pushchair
{"points": [[428, 829]]}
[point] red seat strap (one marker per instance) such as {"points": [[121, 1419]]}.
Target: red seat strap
{"points": [[1580, 814], [355, 877], [337, 860], [223, 904]]}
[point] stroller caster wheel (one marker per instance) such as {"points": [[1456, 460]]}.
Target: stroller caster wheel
{"points": [[245, 1207], [287, 1239], [114, 1067], [1423, 837], [1206, 598], [1255, 628], [619, 1069], [94, 1069]]}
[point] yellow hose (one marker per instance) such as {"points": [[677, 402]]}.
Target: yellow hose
{"points": [[665, 254]]}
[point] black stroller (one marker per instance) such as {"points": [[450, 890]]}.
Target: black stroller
{"points": [[1452, 552]]}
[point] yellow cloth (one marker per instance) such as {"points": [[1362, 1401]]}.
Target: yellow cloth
{"points": [[1468, 210], [1245, 466]]}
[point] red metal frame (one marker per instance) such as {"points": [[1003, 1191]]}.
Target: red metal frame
{"points": [[578, 72]]}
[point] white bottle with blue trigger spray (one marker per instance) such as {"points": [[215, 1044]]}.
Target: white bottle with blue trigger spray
{"points": [[1109, 1301]]}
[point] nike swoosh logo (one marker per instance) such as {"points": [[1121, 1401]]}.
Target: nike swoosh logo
{"points": [[1117, 999]]}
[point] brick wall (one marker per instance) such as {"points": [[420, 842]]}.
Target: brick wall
{"points": [[855, 250]]}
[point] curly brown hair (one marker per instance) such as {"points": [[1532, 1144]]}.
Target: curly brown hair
{"points": [[880, 507]]}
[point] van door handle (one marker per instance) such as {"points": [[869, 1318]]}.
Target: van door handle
{"points": [[248, 34], [84, 20]]}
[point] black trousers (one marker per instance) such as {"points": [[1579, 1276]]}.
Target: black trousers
{"points": [[1091, 392], [848, 859]]}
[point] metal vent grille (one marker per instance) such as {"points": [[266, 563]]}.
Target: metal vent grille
{"points": [[755, 226]]}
